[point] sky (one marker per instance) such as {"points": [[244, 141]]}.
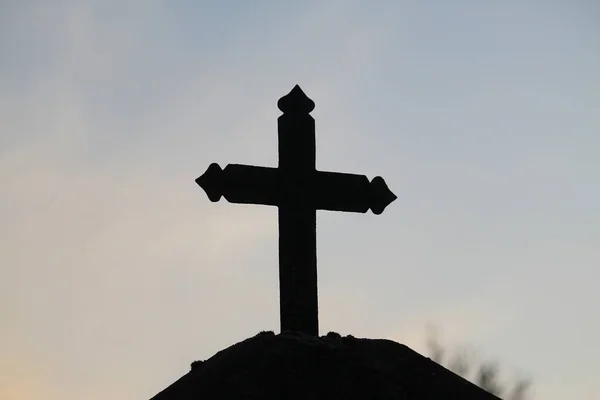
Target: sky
{"points": [[116, 271]]}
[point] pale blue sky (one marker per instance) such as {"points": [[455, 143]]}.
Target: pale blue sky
{"points": [[116, 271]]}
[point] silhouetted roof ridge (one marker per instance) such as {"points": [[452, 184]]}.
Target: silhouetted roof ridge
{"points": [[294, 365]]}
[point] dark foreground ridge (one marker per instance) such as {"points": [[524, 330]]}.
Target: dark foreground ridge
{"points": [[298, 366]]}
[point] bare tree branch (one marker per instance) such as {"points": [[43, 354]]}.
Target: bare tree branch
{"points": [[487, 378], [487, 373]]}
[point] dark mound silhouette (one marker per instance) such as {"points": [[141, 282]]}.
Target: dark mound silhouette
{"points": [[298, 366]]}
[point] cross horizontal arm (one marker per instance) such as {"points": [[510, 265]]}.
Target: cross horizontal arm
{"points": [[242, 184], [335, 191]]}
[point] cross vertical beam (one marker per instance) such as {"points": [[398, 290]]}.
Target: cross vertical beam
{"points": [[297, 217]]}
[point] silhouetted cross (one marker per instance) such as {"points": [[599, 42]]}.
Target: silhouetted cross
{"points": [[298, 189]]}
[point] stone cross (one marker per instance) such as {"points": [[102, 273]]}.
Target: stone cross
{"points": [[298, 190]]}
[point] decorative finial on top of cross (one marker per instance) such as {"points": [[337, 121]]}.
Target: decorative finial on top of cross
{"points": [[296, 102]]}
